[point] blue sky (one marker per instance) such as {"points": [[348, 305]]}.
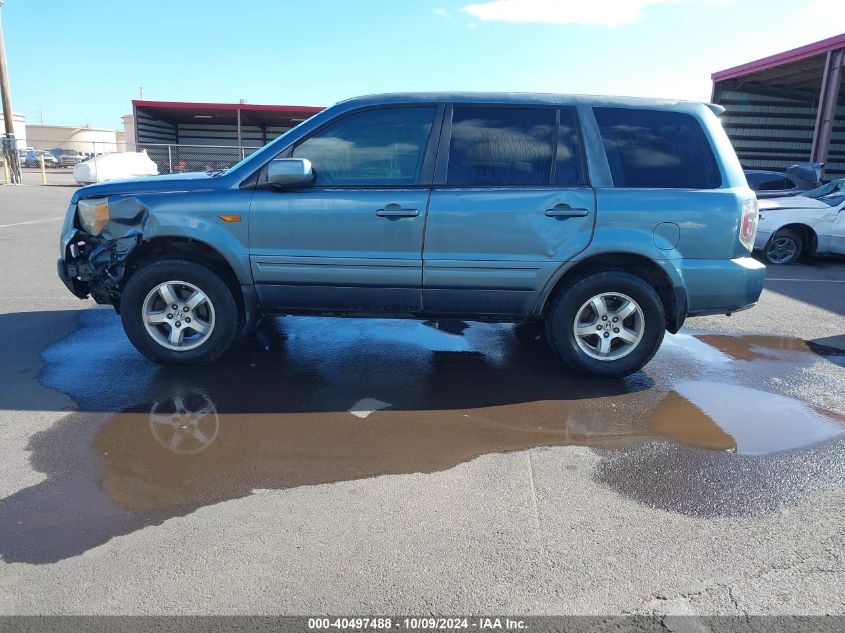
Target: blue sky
{"points": [[83, 62]]}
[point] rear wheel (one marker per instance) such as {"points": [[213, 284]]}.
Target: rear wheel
{"points": [[178, 312], [607, 324], [784, 247]]}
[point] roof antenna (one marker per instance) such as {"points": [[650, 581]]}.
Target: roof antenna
{"points": [[142, 92]]}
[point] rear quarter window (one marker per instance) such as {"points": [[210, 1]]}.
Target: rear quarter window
{"points": [[769, 182], [657, 149]]}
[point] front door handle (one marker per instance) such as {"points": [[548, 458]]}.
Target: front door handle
{"points": [[396, 211], [563, 210]]}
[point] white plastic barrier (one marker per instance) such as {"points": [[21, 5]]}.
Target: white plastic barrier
{"points": [[114, 166]]}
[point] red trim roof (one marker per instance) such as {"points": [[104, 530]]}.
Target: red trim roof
{"points": [[184, 105], [796, 54]]}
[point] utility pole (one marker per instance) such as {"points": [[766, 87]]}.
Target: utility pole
{"points": [[10, 146]]}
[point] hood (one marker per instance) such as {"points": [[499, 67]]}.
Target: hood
{"points": [[791, 202], [188, 181]]}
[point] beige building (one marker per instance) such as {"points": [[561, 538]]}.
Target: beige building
{"points": [[129, 133], [19, 125], [80, 138]]}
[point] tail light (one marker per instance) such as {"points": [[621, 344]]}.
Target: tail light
{"points": [[748, 223]]}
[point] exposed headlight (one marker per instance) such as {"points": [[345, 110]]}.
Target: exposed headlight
{"points": [[93, 213]]}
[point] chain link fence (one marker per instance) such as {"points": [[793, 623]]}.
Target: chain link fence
{"points": [[172, 159], [52, 162]]}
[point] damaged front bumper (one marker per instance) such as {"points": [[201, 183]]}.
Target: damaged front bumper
{"points": [[95, 265], [77, 287]]}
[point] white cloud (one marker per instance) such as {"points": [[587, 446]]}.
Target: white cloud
{"points": [[824, 9], [441, 12], [601, 12], [471, 25]]}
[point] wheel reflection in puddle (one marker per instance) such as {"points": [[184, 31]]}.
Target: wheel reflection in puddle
{"points": [[185, 424]]}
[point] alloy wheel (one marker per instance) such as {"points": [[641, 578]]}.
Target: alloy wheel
{"points": [[609, 326], [178, 315], [781, 250]]}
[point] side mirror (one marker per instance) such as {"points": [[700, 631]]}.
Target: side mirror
{"points": [[290, 172]]}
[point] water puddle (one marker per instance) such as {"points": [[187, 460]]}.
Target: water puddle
{"points": [[748, 421], [755, 347], [300, 408]]}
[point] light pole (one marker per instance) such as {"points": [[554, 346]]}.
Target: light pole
{"points": [[10, 146]]}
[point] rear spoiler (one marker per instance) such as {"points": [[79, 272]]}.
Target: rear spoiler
{"points": [[715, 108]]}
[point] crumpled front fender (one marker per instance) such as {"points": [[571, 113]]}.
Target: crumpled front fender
{"points": [[127, 218]]}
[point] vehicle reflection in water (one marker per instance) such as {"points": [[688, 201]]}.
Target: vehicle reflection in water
{"points": [[279, 415]]}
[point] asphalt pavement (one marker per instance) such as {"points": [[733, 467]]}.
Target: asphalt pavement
{"points": [[388, 466]]}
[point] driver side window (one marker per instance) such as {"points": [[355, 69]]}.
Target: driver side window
{"points": [[384, 146]]}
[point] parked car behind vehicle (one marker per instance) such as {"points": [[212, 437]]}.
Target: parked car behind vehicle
{"points": [[810, 224], [608, 219], [796, 179], [67, 157], [33, 159]]}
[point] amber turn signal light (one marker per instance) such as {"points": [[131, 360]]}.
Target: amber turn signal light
{"points": [[230, 218]]}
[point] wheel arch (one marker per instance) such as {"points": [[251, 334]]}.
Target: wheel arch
{"points": [[672, 296], [202, 253], [809, 237]]}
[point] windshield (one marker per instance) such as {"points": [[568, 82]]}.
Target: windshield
{"points": [[832, 194]]}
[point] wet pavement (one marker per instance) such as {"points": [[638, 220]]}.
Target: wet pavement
{"points": [[702, 431]]}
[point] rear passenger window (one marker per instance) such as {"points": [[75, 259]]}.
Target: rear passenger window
{"points": [[501, 146], [656, 148]]}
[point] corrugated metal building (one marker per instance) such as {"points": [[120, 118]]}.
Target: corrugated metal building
{"points": [[196, 136], [787, 108]]}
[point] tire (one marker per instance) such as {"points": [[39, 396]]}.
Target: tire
{"points": [[783, 248], [190, 335], [624, 296]]}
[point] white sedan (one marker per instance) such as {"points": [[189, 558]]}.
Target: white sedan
{"points": [[812, 223]]}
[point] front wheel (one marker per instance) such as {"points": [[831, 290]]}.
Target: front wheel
{"points": [[607, 324], [178, 312]]}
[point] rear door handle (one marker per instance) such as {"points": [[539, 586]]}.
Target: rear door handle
{"points": [[565, 211], [396, 211]]}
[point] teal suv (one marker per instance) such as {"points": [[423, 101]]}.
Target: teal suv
{"points": [[608, 220]]}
